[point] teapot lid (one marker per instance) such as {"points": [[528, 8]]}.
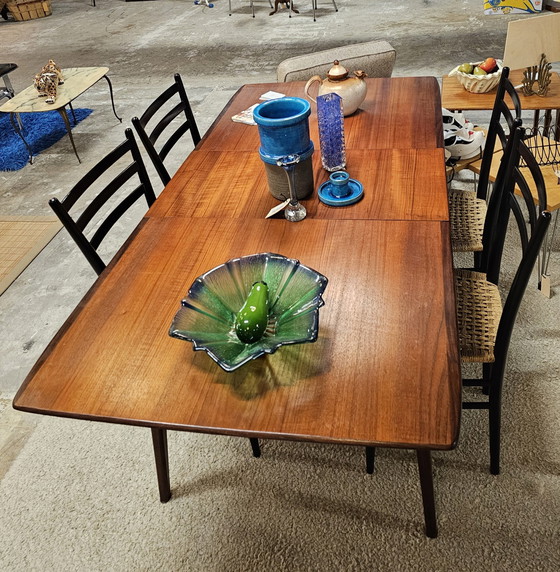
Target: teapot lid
{"points": [[338, 72]]}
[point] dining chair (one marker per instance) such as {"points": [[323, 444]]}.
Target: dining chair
{"points": [[252, 6], [468, 210], [502, 186], [485, 326], [104, 170], [150, 136]]}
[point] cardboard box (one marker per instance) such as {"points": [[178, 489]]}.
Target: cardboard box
{"points": [[493, 7]]}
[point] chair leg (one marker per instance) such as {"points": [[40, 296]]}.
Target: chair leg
{"points": [[494, 415], [255, 446], [486, 376], [370, 460]]}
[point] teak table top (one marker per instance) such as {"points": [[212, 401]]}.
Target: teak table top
{"points": [[398, 113], [215, 184], [387, 333], [383, 371]]}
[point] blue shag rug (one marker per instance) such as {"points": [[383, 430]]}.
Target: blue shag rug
{"points": [[41, 130]]}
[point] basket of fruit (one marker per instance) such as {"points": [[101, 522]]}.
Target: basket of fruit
{"points": [[480, 77]]}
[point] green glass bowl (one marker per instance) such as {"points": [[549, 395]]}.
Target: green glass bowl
{"points": [[207, 315]]}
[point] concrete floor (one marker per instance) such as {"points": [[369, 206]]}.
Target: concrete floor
{"points": [[144, 44]]}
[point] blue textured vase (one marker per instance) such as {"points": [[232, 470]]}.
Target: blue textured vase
{"points": [[284, 130]]}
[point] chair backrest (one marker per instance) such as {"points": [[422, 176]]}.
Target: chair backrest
{"points": [[500, 113], [149, 136], [528, 168], [77, 226], [376, 59], [503, 200], [493, 237], [513, 301]]}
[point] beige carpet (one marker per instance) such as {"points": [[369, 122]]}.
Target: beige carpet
{"points": [[83, 496], [21, 240]]}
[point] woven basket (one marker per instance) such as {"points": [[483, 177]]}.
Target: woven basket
{"points": [[23, 10], [478, 83]]}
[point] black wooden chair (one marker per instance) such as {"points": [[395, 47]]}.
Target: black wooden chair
{"points": [[77, 226], [468, 210], [150, 136], [485, 326]]}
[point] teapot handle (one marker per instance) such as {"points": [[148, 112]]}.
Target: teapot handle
{"points": [[309, 84]]}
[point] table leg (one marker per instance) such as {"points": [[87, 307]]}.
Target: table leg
{"points": [[370, 460], [19, 131], [73, 114], [159, 439], [427, 486], [64, 116], [112, 99], [255, 447]]}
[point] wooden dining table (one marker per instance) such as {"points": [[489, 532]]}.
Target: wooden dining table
{"points": [[385, 369]]}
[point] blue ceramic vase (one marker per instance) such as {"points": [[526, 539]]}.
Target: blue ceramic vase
{"points": [[284, 130]]}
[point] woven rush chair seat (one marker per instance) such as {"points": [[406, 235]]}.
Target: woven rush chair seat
{"points": [[467, 215], [479, 309]]}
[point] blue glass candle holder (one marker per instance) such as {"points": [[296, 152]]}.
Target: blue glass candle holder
{"points": [[330, 117]]}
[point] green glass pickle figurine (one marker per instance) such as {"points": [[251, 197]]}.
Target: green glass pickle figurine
{"points": [[251, 321]]}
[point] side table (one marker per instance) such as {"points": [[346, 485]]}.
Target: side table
{"points": [[456, 98], [76, 81]]}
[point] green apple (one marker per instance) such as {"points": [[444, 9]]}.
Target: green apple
{"points": [[466, 68], [479, 71]]}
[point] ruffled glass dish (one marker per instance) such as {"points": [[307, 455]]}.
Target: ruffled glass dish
{"points": [[207, 314]]}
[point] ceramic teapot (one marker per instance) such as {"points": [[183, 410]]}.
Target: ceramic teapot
{"points": [[352, 89]]}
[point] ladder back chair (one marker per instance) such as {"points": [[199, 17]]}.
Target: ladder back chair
{"points": [[150, 136], [485, 326], [501, 114], [77, 226], [468, 210]]}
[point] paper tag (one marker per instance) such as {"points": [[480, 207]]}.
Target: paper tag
{"points": [[545, 285], [277, 208], [271, 95]]}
